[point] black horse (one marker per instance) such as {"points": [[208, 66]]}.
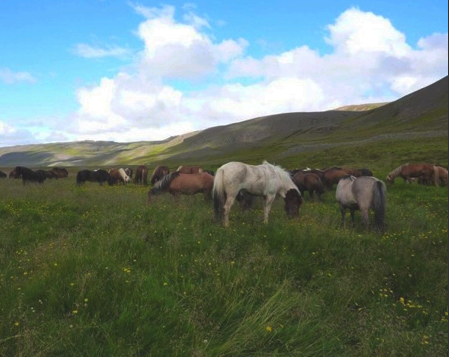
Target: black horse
{"points": [[29, 175], [99, 176], [2, 174]]}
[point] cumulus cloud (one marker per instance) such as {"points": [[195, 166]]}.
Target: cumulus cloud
{"points": [[184, 79], [88, 51], [10, 77]]}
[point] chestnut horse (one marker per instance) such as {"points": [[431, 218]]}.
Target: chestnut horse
{"points": [[425, 172], [177, 184], [310, 182], [141, 177], [264, 180], [189, 169], [158, 173]]}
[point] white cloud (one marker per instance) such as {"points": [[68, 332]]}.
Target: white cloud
{"points": [[10, 77], [88, 51], [170, 90]]}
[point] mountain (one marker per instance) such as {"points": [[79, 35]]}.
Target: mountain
{"points": [[423, 113]]}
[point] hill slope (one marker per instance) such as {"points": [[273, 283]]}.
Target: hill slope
{"points": [[423, 113]]}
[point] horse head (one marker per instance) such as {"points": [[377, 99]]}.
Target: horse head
{"points": [[293, 200]]}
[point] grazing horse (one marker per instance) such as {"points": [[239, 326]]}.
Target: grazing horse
{"points": [[362, 193], [189, 169], [333, 175], [60, 172], [29, 175], [2, 174], [99, 176], [425, 172], [264, 180], [141, 177], [129, 172], [310, 182], [442, 174], [177, 184], [158, 173], [118, 176]]}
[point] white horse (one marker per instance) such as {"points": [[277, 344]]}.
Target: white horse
{"points": [[362, 193], [123, 175], [263, 180]]}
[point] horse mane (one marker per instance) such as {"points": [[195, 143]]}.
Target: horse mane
{"points": [[396, 171], [164, 183], [284, 174]]}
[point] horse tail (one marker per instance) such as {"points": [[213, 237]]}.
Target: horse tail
{"points": [[219, 194], [436, 175], [379, 204]]}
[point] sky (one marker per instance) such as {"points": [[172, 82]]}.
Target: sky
{"points": [[129, 71]]}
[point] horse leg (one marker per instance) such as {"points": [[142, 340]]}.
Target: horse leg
{"points": [[343, 216], [365, 217], [227, 208], [266, 210], [352, 212]]}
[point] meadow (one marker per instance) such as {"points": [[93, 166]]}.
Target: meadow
{"points": [[98, 271]]}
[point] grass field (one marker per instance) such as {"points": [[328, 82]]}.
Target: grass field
{"points": [[97, 271]]}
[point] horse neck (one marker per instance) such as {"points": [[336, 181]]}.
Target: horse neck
{"points": [[396, 172]]}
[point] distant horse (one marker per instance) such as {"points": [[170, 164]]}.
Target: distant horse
{"points": [[60, 172], [29, 175], [177, 184], [141, 177], [158, 173], [362, 193], [442, 174], [426, 172], [264, 180], [363, 172], [129, 171], [99, 176], [189, 169], [12, 174], [2, 174], [310, 182], [333, 175], [118, 176]]}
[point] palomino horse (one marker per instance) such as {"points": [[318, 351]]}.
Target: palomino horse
{"points": [[424, 172], [141, 177], [362, 193], [189, 169], [179, 184], [264, 180], [158, 173]]}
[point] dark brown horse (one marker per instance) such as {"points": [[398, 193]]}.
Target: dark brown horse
{"points": [[2, 174], [423, 171], [141, 177], [60, 172], [158, 173], [310, 182], [333, 175], [29, 175], [177, 184], [189, 169]]}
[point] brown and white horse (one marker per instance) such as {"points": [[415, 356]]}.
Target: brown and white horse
{"points": [[423, 171]]}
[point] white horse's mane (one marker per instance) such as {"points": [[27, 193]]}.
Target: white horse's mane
{"points": [[279, 169]]}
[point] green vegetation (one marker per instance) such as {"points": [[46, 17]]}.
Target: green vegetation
{"points": [[98, 271]]}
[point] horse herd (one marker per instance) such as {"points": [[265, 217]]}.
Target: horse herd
{"points": [[357, 189]]}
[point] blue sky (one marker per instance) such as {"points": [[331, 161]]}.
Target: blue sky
{"points": [[129, 71]]}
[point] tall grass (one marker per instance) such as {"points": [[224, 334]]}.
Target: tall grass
{"points": [[97, 271]]}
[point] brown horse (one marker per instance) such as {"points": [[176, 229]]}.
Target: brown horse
{"points": [[158, 173], [189, 169], [423, 171], [60, 172], [178, 183], [141, 177], [333, 175], [310, 182]]}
